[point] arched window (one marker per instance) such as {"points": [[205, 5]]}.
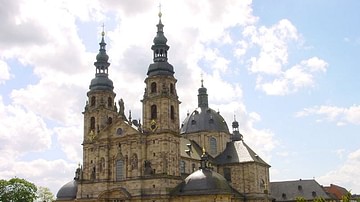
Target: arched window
{"points": [[119, 170], [172, 113], [182, 166], [213, 146], [109, 120], [171, 88], [92, 101], [92, 123], [153, 87], [153, 112], [109, 102]]}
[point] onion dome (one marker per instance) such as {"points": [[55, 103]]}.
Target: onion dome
{"points": [[101, 80], [68, 191], [160, 65], [203, 118], [160, 38]]}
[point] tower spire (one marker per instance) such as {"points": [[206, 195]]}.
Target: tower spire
{"points": [[101, 80], [202, 96], [160, 50], [236, 133]]}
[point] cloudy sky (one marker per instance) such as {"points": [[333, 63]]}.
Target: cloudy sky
{"points": [[288, 71]]}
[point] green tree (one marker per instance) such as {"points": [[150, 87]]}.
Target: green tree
{"points": [[300, 199], [319, 199], [44, 194], [346, 197], [17, 190]]}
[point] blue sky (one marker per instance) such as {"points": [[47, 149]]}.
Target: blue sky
{"points": [[288, 71]]}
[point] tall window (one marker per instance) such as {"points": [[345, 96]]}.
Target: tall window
{"points": [[119, 170], [92, 101], [213, 146], [182, 166], [92, 123], [153, 112], [109, 102], [171, 88], [172, 113], [153, 87]]}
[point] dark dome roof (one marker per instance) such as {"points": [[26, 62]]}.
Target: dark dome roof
{"points": [[204, 182], [101, 82], [68, 191], [204, 119], [102, 57], [160, 39], [160, 68]]}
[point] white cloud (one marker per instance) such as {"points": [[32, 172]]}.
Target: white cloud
{"points": [[51, 174], [62, 106], [271, 64], [22, 131], [293, 79], [4, 72], [273, 44], [345, 174], [315, 64], [339, 115], [70, 139]]}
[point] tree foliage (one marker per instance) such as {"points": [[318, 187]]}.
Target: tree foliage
{"points": [[346, 197], [44, 194], [300, 199], [17, 190], [319, 199]]}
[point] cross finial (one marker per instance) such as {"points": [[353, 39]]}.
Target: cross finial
{"points": [[160, 14], [202, 80], [103, 30]]}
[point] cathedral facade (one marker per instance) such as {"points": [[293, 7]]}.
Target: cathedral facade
{"points": [[158, 159]]}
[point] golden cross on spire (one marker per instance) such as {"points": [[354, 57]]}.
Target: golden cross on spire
{"points": [[103, 30], [160, 14], [202, 80]]}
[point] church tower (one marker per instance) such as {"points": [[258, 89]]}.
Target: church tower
{"points": [[161, 111], [100, 110]]}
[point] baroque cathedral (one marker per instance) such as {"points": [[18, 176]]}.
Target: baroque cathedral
{"points": [[159, 159]]}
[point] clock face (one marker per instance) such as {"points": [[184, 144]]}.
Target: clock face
{"points": [[92, 135], [153, 125]]}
